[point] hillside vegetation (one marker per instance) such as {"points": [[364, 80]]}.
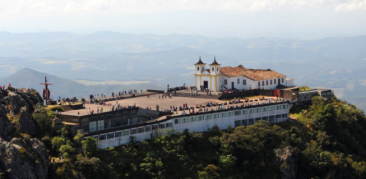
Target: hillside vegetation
{"points": [[328, 141], [335, 148]]}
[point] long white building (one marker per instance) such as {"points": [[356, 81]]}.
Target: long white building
{"points": [[217, 78], [199, 122]]}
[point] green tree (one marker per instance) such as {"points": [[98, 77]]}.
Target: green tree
{"points": [[90, 146], [66, 148], [57, 142], [78, 137], [64, 132]]}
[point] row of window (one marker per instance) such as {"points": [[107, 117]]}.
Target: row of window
{"points": [[203, 68], [230, 113], [271, 119], [259, 83], [132, 131]]}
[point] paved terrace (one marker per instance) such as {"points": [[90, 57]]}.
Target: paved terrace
{"points": [[153, 100]]}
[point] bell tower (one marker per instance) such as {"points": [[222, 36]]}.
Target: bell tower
{"points": [[199, 68], [215, 76]]}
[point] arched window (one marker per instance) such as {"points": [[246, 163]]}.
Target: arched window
{"points": [[198, 68], [238, 81], [213, 68]]}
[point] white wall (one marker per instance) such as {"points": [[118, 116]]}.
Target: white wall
{"points": [[250, 83], [203, 125]]}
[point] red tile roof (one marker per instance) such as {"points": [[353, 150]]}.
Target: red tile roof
{"points": [[254, 74]]}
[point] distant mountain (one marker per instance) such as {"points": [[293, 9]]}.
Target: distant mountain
{"points": [[334, 62], [63, 87]]}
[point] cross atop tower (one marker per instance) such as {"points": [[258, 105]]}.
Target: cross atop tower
{"points": [[46, 92]]}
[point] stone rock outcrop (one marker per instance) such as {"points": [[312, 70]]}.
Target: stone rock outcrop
{"points": [[286, 162], [19, 162], [6, 128], [26, 123]]}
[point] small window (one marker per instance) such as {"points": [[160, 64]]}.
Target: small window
{"points": [[270, 82], [238, 80], [186, 119], [118, 134], [278, 116], [251, 121], [244, 122], [102, 137], [231, 113], [274, 81], [225, 82], [262, 83], [284, 115], [224, 114], [237, 113], [244, 82], [259, 83], [265, 118], [198, 68], [237, 123], [216, 116], [213, 69], [192, 119], [169, 125], [148, 128], [257, 119], [134, 131], [110, 135], [209, 116], [161, 126], [154, 127], [200, 118], [282, 80], [217, 69], [266, 82], [243, 111], [176, 121], [126, 132], [141, 129]]}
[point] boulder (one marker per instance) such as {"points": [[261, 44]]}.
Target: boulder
{"points": [[19, 163], [286, 162], [40, 149], [26, 123], [6, 128]]}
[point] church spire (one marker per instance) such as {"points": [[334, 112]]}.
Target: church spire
{"points": [[214, 62], [200, 62]]}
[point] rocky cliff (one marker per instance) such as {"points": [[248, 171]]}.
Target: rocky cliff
{"points": [[286, 162], [21, 158]]}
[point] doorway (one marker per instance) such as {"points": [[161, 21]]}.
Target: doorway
{"points": [[279, 81], [232, 85], [205, 84]]}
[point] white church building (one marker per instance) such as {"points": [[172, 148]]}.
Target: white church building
{"points": [[217, 78]]}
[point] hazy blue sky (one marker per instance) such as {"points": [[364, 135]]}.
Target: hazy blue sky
{"points": [[214, 18]]}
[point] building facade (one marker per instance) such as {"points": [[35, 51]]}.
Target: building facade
{"points": [[217, 78], [198, 122]]}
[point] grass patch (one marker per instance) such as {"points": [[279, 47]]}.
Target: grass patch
{"points": [[54, 108]]}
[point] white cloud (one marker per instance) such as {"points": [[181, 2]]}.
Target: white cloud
{"points": [[352, 5], [160, 6], [50, 62]]}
